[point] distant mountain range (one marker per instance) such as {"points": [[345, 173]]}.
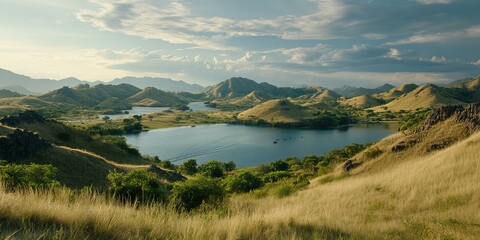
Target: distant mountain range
{"points": [[349, 91], [30, 86]]}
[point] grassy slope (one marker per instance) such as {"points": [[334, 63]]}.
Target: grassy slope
{"points": [[435, 196], [277, 111], [424, 97], [396, 92], [364, 101]]}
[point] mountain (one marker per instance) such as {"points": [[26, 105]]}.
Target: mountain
{"points": [[396, 92], [349, 91], [152, 97], [469, 89], [364, 101], [240, 87], [9, 78], [96, 96], [252, 99], [19, 89], [8, 94], [279, 110], [164, 84], [424, 97]]}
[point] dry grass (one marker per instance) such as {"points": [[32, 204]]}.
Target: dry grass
{"points": [[434, 196]]}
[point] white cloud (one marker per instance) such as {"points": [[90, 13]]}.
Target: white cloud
{"points": [[471, 32], [176, 23], [477, 62], [434, 1], [436, 59]]}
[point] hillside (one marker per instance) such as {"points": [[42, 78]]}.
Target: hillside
{"points": [[96, 96], [8, 94], [240, 87], [424, 97], [280, 110], [428, 189], [349, 91], [164, 84], [364, 101], [252, 99], [396, 92], [152, 97], [469, 89]]}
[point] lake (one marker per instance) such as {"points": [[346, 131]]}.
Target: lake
{"points": [[194, 106], [250, 145]]}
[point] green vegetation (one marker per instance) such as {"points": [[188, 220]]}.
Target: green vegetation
{"points": [[194, 192], [136, 185], [28, 176]]}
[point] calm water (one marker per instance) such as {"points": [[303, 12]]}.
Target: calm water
{"points": [[249, 145], [194, 106]]}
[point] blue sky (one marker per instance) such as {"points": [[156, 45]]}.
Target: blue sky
{"points": [[285, 42]]}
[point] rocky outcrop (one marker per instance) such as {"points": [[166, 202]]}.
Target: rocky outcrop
{"points": [[28, 116], [170, 176], [469, 115], [21, 144]]}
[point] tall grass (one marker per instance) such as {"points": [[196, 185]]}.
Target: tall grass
{"points": [[428, 197]]}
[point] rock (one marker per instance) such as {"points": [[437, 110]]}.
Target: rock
{"points": [[348, 165], [21, 144], [171, 176], [469, 115]]}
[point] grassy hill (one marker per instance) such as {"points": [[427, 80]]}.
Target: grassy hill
{"points": [[4, 93], [252, 99], [396, 92], [152, 97], [469, 89], [424, 97], [415, 192], [349, 92], [240, 87], [280, 110], [364, 101]]}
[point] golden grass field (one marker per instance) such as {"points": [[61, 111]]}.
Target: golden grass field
{"points": [[411, 196]]}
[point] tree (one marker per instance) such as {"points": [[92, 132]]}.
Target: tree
{"points": [[229, 166], [137, 117], [136, 185], [242, 182], [194, 192], [106, 119], [212, 168], [279, 165], [189, 167]]}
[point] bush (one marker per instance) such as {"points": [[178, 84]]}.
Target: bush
{"points": [[275, 176], [279, 165], [242, 182], [229, 166], [212, 168], [136, 185], [166, 164], [189, 167], [194, 192], [28, 176], [284, 191], [263, 168], [372, 153]]}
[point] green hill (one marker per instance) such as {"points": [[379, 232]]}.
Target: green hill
{"points": [[4, 93], [349, 92], [152, 97], [240, 87]]}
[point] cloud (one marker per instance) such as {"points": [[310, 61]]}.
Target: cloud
{"points": [[427, 2], [471, 32]]}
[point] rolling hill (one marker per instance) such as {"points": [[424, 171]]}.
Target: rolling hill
{"points": [[424, 97], [8, 94], [364, 101], [349, 91], [240, 87], [396, 92], [164, 84], [280, 110], [152, 97], [252, 99]]}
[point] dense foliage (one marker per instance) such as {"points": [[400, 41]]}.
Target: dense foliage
{"points": [[136, 185], [194, 192], [242, 182], [28, 176]]}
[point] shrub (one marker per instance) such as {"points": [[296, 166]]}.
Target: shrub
{"points": [[189, 167], [263, 168], [279, 165], [229, 166], [283, 190], [372, 153], [28, 176], [166, 164], [242, 182], [136, 185], [275, 176], [212, 168], [194, 192]]}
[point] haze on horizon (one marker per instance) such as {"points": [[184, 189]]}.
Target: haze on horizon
{"points": [[288, 43]]}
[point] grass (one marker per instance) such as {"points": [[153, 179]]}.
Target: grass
{"points": [[434, 196]]}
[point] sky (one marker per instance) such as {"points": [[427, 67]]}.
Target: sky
{"points": [[327, 43]]}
